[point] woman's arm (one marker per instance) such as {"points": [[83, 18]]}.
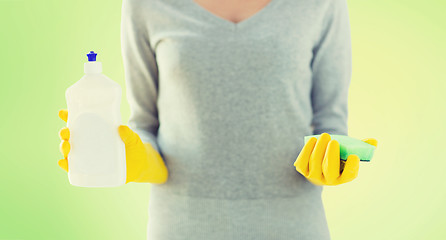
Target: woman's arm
{"points": [[141, 76], [319, 160], [332, 66]]}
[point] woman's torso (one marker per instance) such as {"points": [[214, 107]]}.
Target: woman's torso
{"points": [[234, 99], [234, 105]]}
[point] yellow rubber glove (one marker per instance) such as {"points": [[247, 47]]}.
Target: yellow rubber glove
{"points": [[144, 163], [320, 162]]}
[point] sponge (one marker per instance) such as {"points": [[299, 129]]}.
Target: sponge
{"points": [[349, 145]]}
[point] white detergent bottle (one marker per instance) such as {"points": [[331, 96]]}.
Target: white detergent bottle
{"points": [[97, 155]]}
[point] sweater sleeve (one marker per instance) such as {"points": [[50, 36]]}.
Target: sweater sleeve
{"points": [[141, 73], [331, 66]]}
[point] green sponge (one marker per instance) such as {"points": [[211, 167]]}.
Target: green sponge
{"points": [[349, 145]]}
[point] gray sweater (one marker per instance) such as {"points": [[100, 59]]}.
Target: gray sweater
{"points": [[228, 105]]}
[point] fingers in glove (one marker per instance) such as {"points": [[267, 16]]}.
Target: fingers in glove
{"points": [[317, 156], [371, 141], [331, 162], [63, 163], [351, 169], [128, 136], [64, 134], [65, 148], [63, 114], [303, 159]]}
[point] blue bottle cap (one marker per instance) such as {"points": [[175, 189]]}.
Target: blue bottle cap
{"points": [[92, 56]]}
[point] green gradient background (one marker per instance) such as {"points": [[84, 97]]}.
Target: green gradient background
{"points": [[397, 95]]}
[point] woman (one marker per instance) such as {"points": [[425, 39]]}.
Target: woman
{"points": [[221, 95]]}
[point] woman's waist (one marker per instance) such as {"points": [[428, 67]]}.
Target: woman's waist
{"points": [[268, 217], [208, 140], [236, 182], [233, 191]]}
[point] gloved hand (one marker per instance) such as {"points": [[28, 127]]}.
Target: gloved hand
{"points": [[320, 162], [144, 163]]}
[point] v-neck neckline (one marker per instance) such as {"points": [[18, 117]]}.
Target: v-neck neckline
{"points": [[229, 24]]}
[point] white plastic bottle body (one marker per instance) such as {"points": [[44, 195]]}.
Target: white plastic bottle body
{"points": [[97, 155]]}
